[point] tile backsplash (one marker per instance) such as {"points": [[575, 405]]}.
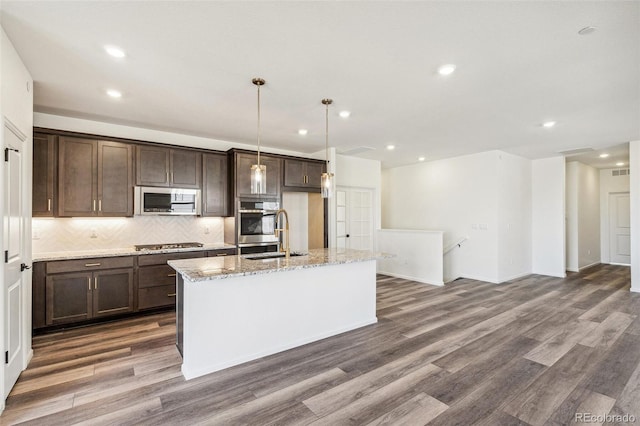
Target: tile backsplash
{"points": [[69, 234]]}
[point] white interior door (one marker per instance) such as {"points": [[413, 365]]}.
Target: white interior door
{"points": [[13, 258], [619, 228], [354, 218]]}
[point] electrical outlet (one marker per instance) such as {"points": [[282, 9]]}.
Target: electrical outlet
{"points": [[94, 233], [35, 234], [206, 230]]}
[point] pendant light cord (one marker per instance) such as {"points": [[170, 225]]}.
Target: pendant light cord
{"points": [[326, 143], [258, 125]]}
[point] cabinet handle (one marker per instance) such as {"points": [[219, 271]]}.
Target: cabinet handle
{"points": [[171, 275], [171, 295], [221, 254], [48, 204], [99, 205], [95, 283], [94, 205], [89, 282], [171, 177], [91, 264], [168, 181]]}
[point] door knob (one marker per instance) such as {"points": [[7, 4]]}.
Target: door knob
{"points": [[347, 235], [24, 266]]}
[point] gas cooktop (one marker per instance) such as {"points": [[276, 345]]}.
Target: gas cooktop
{"points": [[149, 247]]}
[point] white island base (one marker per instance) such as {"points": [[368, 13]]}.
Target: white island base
{"points": [[225, 322]]}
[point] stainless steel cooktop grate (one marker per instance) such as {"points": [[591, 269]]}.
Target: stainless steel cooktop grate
{"points": [[144, 247]]}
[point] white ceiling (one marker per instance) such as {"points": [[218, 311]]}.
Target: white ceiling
{"points": [[190, 64]]}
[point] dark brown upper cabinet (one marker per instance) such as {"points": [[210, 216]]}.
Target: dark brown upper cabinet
{"points": [[215, 196], [168, 167], [44, 175], [303, 174], [243, 163], [95, 178]]}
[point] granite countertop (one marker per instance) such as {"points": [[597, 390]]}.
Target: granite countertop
{"points": [[126, 251], [213, 268]]}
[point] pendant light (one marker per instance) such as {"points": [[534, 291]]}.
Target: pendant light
{"points": [[327, 178], [258, 171]]}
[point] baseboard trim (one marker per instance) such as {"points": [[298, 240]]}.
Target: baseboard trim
{"points": [[408, 277]]}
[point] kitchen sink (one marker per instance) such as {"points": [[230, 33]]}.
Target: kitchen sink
{"points": [[273, 256]]}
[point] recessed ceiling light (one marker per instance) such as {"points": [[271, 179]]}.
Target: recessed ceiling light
{"points": [[303, 132], [114, 93], [620, 163], [391, 147], [115, 51], [421, 158], [548, 124], [345, 114], [604, 155], [587, 30], [447, 69]]}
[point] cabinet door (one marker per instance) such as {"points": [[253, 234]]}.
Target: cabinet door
{"points": [[115, 179], [294, 173], [314, 175], [243, 175], [68, 297], [185, 169], [77, 161], [214, 185], [152, 166], [44, 167], [112, 292]]}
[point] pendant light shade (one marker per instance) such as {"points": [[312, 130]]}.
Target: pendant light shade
{"points": [[327, 178], [258, 171]]}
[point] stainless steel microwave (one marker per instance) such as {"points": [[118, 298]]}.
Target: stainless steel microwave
{"points": [[167, 201]]}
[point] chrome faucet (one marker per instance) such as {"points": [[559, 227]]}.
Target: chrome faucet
{"points": [[277, 231]]}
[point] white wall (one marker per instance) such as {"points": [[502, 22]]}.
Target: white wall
{"points": [[572, 190], [514, 217], [547, 216], [16, 107], [589, 224], [583, 216], [609, 184], [458, 196], [634, 193]]}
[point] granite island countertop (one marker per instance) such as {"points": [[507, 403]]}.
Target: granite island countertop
{"points": [[213, 268], [125, 251]]}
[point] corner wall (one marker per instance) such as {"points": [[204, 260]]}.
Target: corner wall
{"points": [[548, 217], [583, 216], [514, 217], [634, 193]]}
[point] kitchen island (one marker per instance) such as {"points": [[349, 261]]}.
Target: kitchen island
{"points": [[234, 309]]}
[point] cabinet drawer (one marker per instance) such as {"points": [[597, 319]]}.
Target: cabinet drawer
{"points": [[154, 276], [222, 252], [96, 263], [155, 297], [161, 259]]}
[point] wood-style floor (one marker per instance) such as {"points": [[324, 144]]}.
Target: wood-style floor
{"points": [[533, 351]]}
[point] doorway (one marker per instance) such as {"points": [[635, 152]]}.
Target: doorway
{"points": [[354, 218], [619, 228]]}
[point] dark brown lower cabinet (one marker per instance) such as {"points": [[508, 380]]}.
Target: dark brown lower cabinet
{"points": [[69, 297], [112, 292], [79, 290]]}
